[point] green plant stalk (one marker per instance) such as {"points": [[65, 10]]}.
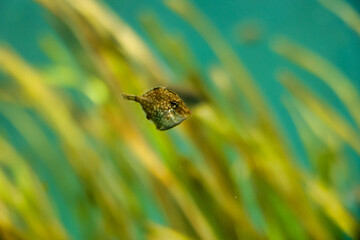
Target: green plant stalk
{"points": [[81, 156], [226, 55], [325, 112], [322, 194], [26, 198], [324, 70], [344, 11]]}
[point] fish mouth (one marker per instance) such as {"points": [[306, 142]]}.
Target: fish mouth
{"points": [[170, 120], [166, 127]]}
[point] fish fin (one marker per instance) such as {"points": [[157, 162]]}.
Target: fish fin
{"points": [[130, 97], [156, 88], [171, 91]]}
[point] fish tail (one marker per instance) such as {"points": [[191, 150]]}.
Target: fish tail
{"points": [[130, 97]]}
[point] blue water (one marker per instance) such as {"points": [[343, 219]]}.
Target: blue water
{"points": [[23, 23]]}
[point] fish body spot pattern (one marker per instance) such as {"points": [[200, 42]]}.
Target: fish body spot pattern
{"points": [[162, 106]]}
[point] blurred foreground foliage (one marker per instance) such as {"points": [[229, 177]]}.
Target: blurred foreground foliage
{"points": [[77, 162]]}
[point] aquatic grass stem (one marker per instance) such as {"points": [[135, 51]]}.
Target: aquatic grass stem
{"points": [[223, 51], [151, 162], [340, 84], [325, 112], [84, 159], [103, 22], [25, 197], [344, 11], [318, 191]]}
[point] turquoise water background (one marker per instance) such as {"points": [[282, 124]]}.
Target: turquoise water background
{"points": [[23, 23]]}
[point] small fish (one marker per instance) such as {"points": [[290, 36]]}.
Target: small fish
{"points": [[162, 106]]}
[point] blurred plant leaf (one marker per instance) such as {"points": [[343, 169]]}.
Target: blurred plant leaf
{"points": [[344, 11], [342, 86], [326, 113]]}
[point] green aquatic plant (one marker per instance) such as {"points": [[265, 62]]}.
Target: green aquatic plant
{"points": [[79, 162]]}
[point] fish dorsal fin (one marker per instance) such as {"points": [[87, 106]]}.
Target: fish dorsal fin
{"points": [[155, 88], [171, 91]]}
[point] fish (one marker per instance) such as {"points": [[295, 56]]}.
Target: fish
{"points": [[162, 106]]}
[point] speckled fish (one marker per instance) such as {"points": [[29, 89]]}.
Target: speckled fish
{"points": [[162, 106]]}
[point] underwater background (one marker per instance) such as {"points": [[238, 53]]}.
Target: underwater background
{"points": [[272, 150]]}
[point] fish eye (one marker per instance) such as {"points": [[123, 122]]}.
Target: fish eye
{"points": [[174, 104]]}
